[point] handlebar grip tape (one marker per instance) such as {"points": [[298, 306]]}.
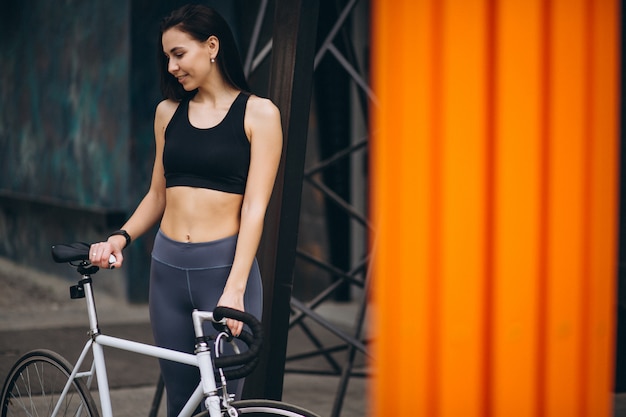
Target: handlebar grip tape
{"points": [[253, 340]]}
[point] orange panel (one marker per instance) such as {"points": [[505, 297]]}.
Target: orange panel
{"points": [[386, 373], [519, 152], [462, 174], [494, 195], [401, 154], [412, 172], [602, 102], [566, 232]]}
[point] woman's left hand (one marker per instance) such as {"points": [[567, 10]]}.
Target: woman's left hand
{"points": [[235, 301]]}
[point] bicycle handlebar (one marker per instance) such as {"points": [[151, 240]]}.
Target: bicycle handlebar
{"points": [[248, 359]]}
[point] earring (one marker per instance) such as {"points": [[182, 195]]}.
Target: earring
{"points": [[212, 60]]}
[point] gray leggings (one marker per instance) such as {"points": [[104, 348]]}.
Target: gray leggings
{"points": [[183, 277]]}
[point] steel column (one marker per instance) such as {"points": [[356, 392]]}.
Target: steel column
{"points": [[291, 78]]}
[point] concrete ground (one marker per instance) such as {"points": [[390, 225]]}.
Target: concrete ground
{"points": [[36, 312]]}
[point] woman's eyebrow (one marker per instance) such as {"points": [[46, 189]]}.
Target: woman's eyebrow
{"points": [[175, 49]]}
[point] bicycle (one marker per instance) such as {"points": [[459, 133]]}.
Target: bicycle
{"points": [[42, 383]]}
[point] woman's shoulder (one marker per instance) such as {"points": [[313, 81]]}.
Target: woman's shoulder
{"points": [[164, 112], [166, 107], [262, 108], [262, 118]]}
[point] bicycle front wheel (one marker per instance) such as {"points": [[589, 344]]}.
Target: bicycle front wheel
{"points": [[269, 408], [35, 383], [265, 408]]}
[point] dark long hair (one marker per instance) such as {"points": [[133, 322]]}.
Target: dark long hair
{"points": [[200, 22]]}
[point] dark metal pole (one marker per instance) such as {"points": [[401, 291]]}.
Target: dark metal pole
{"points": [[291, 78]]}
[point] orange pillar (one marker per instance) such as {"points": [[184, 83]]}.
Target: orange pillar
{"points": [[494, 195]]}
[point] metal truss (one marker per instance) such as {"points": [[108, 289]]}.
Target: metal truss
{"points": [[352, 343]]}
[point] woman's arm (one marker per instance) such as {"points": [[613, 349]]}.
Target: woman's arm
{"points": [[262, 123], [150, 209]]}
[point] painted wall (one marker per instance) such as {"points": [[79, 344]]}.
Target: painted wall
{"points": [[64, 125], [64, 101]]}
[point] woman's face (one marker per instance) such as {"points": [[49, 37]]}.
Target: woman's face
{"points": [[188, 59]]}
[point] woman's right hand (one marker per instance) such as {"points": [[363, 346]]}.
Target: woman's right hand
{"points": [[100, 253]]}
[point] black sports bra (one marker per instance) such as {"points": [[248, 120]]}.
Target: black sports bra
{"points": [[217, 158]]}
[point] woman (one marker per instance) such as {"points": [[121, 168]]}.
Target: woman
{"points": [[217, 154]]}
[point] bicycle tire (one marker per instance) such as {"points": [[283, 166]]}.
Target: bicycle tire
{"points": [[265, 408], [33, 386]]}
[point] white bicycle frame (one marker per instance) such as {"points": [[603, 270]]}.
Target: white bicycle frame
{"points": [[202, 359]]}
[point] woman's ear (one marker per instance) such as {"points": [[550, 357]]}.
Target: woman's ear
{"points": [[213, 46]]}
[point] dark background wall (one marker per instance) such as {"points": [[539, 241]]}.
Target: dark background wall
{"points": [[64, 117], [64, 100]]}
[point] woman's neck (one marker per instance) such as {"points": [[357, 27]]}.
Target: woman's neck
{"points": [[215, 93]]}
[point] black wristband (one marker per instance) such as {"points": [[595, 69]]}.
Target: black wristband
{"points": [[122, 233]]}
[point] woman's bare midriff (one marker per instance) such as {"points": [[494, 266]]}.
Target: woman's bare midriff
{"points": [[200, 214]]}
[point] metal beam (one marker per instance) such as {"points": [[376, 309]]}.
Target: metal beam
{"points": [[291, 78]]}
